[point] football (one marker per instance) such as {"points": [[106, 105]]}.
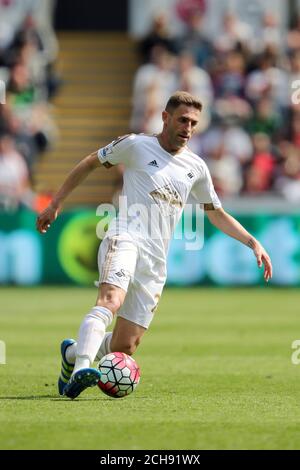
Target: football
{"points": [[120, 374]]}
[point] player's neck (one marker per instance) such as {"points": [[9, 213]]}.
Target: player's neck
{"points": [[166, 145]]}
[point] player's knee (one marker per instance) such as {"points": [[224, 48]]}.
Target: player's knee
{"points": [[112, 303], [111, 298], [130, 347]]}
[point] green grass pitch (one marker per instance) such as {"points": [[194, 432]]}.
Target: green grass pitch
{"points": [[216, 374]]}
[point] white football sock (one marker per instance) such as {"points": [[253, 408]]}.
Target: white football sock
{"points": [[103, 350], [90, 336], [105, 346]]}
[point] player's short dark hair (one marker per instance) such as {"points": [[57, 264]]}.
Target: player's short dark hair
{"points": [[182, 97]]}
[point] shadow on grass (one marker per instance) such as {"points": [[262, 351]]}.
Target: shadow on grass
{"points": [[51, 397], [31, 397], [57, 398]]}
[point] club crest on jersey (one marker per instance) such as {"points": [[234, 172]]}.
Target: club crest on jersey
{"points": [[122, 273], [168, 199]]}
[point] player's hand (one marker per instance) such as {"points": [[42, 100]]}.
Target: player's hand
{"points": [[263, 258], [46, 217]]}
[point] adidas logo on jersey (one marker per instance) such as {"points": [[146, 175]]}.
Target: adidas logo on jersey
{"points": [[191, 175], [153, 163]]}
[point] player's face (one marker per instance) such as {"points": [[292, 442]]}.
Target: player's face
{"points": [[180, 125]]}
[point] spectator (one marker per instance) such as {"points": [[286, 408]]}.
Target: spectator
{"points": [[28, 105], [229, 84], [196, 81], [270, 37], [293, 35], [153, 83], [295, 130], [225, 171], [265, 119], [26, 51], [186, 8], [260, 173], [288, 179], [14, 182], [233, 139], [159, 35], [268, 80], [294, 68], [232, 80], [195, 40], [234, 35], [12, 16]]}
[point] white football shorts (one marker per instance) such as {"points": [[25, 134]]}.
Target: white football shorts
{"points": [[124, 264]]}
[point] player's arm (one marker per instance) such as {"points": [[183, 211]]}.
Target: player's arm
{"points": [[74, 178], [229, 225]]}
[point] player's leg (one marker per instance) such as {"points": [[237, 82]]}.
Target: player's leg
{"points": [[92, 330], [125, 337], [137, 311], [133, 320], [119, 259], [109, 297], [90, 336]]}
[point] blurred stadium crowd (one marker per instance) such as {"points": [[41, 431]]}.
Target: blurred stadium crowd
{"points": [[28, 48], [250, 128]]}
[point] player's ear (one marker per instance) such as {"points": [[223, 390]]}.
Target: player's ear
{"points": [[165, 115]]}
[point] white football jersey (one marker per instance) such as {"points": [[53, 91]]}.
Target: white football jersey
{"points": [[156, 186]]}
